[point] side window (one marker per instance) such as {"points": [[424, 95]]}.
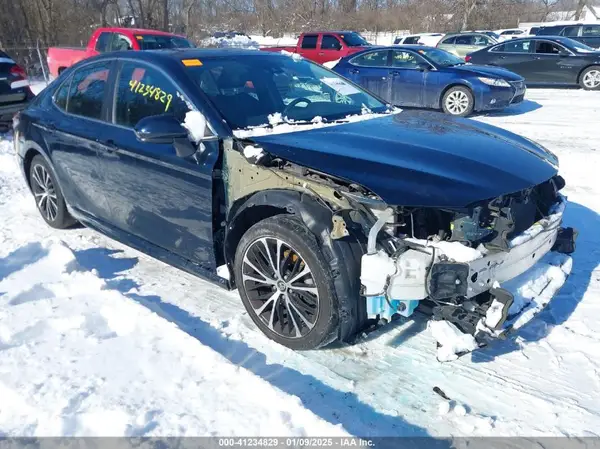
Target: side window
{"points": [[330, 43], [465, 40], [103, 42], [449, 41], [62, 94], [144, 91], [412, 40], [591, 31], [86, 93], [372, 59], [570, 31], [481, 41], [546, 47], [121, 42], [514, 47], [405, 60], [309, 41]]}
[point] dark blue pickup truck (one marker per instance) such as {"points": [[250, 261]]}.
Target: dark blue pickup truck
{"points": [[324, 206]]}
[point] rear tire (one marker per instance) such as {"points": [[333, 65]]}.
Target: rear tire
{"points": [[47, 194], [590, 78], [458, 101], [295, 310]]}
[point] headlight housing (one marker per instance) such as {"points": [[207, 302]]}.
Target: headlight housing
{"points": [[493, 81]]}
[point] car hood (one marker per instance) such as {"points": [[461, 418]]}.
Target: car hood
{"points": [[418, 158], [488, 70]]}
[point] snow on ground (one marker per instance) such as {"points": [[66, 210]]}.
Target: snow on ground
{"points": [[97, 338]]}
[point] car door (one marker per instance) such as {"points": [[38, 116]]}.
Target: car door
{"points": [[448, 44], [308, 47], [330, 48], [371, 71], [71, 134], [407, 78], [155, 194], [553, 64], [590, 35], [465, 44], [515, 56]]}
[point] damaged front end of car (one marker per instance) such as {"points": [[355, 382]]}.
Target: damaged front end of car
{"points": [[451, 264]]}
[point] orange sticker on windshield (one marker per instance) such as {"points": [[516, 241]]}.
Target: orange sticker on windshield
{"points": [[191, 62]]}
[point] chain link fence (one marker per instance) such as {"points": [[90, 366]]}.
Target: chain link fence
{"points": [[31, 56]]}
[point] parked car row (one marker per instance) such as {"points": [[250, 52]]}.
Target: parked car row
{"points": [[181, 155], [545, 61]]}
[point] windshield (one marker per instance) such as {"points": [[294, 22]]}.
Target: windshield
{"points": [[441, 57], [159, 42], [492, 34], [354, 40], [248, 89]]}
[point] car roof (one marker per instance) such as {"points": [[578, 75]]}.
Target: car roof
{"points": [[136, 31], [409, 47], [466, 33]]}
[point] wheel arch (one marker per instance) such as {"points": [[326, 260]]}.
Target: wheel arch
{"points": [[342, 255], [584, 69]]}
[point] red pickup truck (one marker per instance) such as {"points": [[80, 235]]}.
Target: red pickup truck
{"points": [[113, 39], [325, 46]]}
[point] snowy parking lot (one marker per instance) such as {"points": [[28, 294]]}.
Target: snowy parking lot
{"points": [[99, 339]]}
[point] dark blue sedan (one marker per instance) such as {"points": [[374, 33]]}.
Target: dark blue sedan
{"points": [[274, 175], [427, 77]]}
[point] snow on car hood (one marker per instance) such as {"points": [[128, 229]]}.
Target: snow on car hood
{"points": [[420, 158], [488, 70]]}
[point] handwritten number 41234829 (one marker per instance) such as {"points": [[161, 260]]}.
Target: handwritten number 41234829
{"points": [[156, 93]]}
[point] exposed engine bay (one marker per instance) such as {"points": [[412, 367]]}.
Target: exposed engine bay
{"points": [[449, 264]]}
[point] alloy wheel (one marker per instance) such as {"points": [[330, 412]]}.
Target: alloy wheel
{"points": [[280, 287], [591, 79], [44, 192], [457, 102]]}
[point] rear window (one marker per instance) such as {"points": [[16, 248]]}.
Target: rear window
{"points": [[591, 31], [86, 92], [158, 42], [309, 41], [550, 31]]}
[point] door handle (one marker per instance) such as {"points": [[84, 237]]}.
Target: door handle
{"points": [[537, 57], [321, 54], [355, 71], [501, 57]]}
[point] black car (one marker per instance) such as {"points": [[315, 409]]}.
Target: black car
{"points": [[545, 61], [14, 90], [588, 34]]}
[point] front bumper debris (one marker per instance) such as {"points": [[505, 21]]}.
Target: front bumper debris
{"points": [[474, 289]]}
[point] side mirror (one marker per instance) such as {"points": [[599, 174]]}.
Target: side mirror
{"points": [[165, 129], [160, 129]]}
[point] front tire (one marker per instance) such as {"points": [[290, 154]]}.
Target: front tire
{"points": [[590, 78], [458, 101], [48, 197], [286, 284]]}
